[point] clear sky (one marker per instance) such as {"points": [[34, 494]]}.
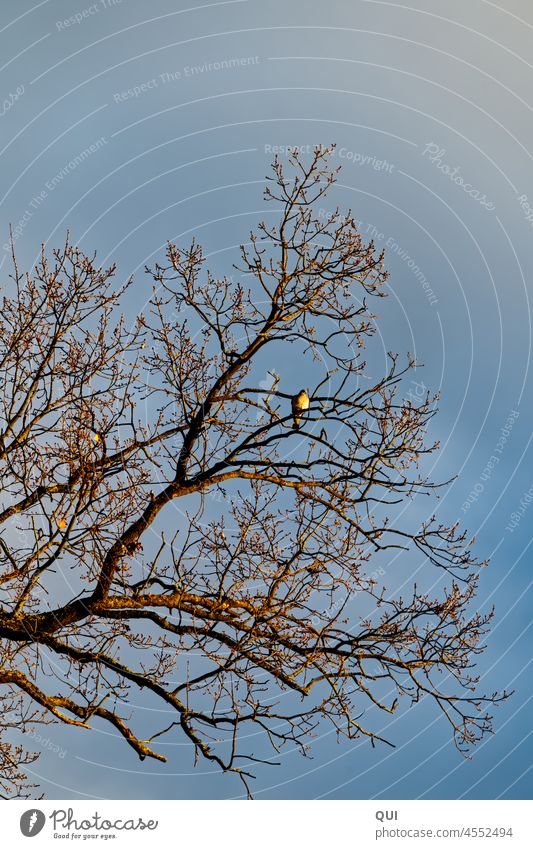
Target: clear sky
{"points": [[132, 123]]}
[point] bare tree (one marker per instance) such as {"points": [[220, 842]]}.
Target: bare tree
{"points": [[165, 528]]}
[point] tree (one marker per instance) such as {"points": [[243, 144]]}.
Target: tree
{"points": [[167, 530]]}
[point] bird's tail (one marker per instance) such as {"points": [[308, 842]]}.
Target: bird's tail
{"points": [[296, 423]]}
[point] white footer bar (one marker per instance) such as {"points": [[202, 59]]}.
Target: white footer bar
{"points": [[269, 824]]}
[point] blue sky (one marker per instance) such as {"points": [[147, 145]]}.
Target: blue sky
{"points": [[134, 123]]}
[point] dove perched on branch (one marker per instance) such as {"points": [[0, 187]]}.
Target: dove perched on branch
{"points": [[300, 403]]}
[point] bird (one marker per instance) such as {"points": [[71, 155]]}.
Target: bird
{"points": [[98, 440], [299, 404]]}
